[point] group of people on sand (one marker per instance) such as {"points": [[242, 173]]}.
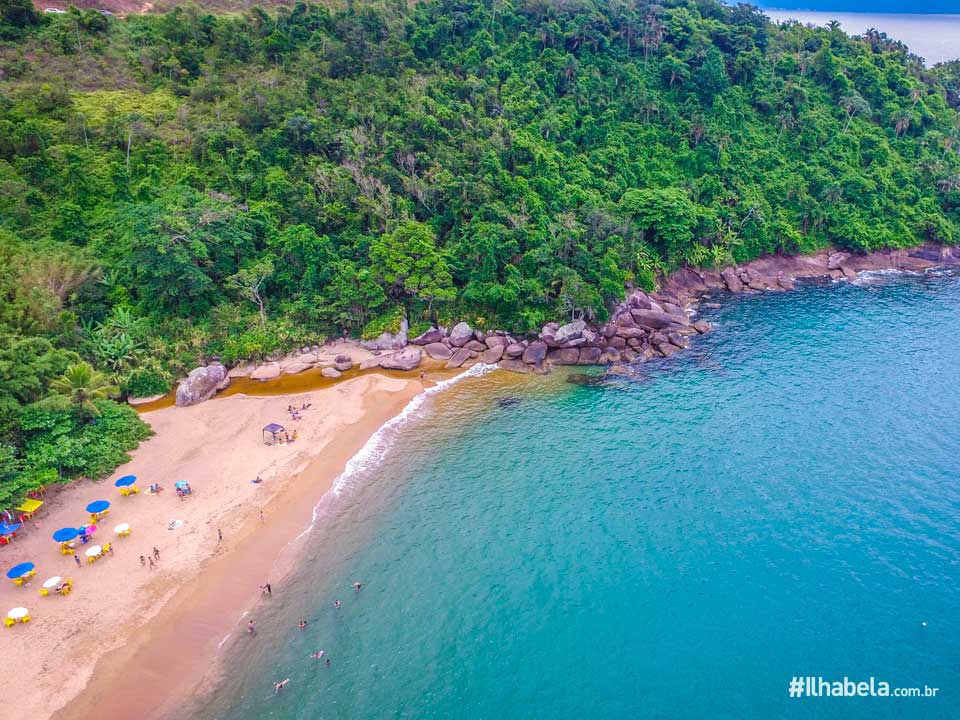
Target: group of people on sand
{"points": [[153, 559], [302, 624], [295, 411]]}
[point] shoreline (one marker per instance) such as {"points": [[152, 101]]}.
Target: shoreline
{"points": [[174, 642], [130, 642]]}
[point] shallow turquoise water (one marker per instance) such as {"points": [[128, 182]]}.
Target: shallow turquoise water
{"points": [[783, 499]]}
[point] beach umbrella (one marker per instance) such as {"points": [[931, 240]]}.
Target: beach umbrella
{"points": [[20, 570], [10, 529], [65, 534], [125, 481], [88, 529], [97, 506]]}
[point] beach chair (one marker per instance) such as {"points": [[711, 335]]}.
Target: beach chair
{"points": [[9, 622]]}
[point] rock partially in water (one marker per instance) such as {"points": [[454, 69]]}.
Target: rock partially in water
{"points": [[406, 359], [507, 402], [331, 372], [202, 384]]}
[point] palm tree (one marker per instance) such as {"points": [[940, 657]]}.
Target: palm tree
{"points": [[81, 385]]}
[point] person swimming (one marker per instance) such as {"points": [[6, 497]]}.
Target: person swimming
{"points": [[357, 585], [302, 624], [317, 655], [336, 604], [278, 686]]}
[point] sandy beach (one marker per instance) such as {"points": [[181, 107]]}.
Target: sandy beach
{"points": [[130, 641]]}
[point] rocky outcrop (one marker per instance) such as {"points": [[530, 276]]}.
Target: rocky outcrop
{"points": [[389, 341], [406, 359], [331, 372], [201, 384], [342, 363]]}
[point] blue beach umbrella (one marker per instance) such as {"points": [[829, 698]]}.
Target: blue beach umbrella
{"points": [[8, 529], [126, 481], [98, 506], [20, 570], [65, 534]]}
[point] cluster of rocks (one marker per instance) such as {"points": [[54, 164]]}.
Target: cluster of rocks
{"points": [[203, 382], [643, 327]]}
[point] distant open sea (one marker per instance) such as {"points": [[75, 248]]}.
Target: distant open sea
{"points": [[936, 38], [781, 500]]}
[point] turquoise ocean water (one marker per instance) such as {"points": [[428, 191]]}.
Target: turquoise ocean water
{"points": [[783, 499]]}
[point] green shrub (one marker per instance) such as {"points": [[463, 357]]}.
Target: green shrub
{"points": [[388, 322]]}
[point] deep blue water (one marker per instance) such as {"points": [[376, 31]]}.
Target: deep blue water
{"points": [[783, 499]]}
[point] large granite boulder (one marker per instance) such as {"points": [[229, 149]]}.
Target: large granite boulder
{"points": [[267, 371], [513, 350], [406, 359], [296, 368], [476, 346], [495, 341], [590, 355], [492, 355], [653, 318], [389, 341], [331, 372], [438, 351], [459, 358], [566, 356], [460, 335], [202, 384], [535, 352], [570, 331], [243, 370], [433, 335], [342, 363]]}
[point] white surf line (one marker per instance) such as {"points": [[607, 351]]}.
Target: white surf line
{"points": [[377, 445]]}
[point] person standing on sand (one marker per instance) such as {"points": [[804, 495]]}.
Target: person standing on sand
{"points": [[156, 555], [77, 559], [261, 517], [143, 561], [150, 560], [219, 536]]}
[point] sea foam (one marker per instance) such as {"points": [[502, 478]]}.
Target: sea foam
{"points": [[380, 442]]}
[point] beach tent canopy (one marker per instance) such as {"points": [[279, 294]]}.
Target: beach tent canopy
{"points": [[125, 481], [98, 506], [20, 570], [274, 429], [10, 529], [65, 534]]}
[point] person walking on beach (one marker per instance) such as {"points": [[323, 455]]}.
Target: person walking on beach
{"points": [[156, 554], [261, 517], [266, 589], [143, 561], [77, 560], [150, 560], [219, 536], [251, 629]]}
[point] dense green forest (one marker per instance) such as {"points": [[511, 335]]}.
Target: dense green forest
{"points": [[184, 185]]}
